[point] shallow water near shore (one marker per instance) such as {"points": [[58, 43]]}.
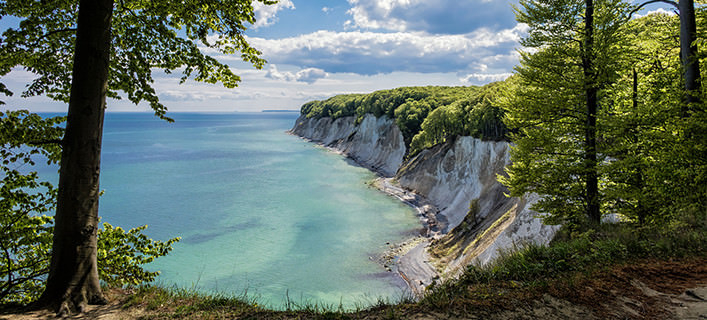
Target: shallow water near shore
{"points": [[258, 210]]}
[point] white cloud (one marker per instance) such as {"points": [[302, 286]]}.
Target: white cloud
{"points": [[377, 14], [308, 75], [326, 9], [371, 52], [478, 78], [433, 16], [657, 11], [266, 15]]}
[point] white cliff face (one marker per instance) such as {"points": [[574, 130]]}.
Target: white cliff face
{"points": [[324, 130], [376, 143], [524, 228], [451, 176], [455, 174]]}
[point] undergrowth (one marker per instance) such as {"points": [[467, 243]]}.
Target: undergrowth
{"points": [[531, 267]]}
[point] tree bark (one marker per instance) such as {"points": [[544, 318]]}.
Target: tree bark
{"points": [[688, 52], [73, 276], [590, 129], [637, 179]]}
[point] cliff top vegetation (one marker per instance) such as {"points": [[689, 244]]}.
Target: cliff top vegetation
{"points": [[425, 115]]}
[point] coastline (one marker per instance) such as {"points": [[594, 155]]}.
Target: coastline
{"points": [[410, 257], [407, 259]]}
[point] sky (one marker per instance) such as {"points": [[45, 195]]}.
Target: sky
{"points": [[319, 48]]}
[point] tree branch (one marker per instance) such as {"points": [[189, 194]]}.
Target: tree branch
{"points": [[43, 142], [36, 42], [672, 3]]}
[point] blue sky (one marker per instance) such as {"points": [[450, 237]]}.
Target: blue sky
{"points": [[319, 48]]}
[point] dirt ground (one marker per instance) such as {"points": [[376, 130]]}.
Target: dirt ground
{"points": [[645, 290]]}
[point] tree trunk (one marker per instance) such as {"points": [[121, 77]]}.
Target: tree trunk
{"points": [[637, 180], [73, 275], [590, 129], [688, 51]]}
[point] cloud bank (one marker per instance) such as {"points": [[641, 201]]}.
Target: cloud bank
{"points": [[368, 53], [432, 16]]}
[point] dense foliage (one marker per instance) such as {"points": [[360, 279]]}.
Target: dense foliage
{"points": [[122, 254], [147, 36], [557, 102], [25, 201], [651, 145], [657, 143], [425, 115], [477, 114]]}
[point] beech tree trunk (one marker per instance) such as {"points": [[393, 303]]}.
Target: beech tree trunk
{"points": [[688, 51], [73, 276], [590, 129]]}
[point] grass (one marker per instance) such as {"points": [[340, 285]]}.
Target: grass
{"points": [[175, 303], [531, 269], [179, 303], [520, 276]]}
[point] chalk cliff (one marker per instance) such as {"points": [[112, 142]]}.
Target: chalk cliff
{"points": [[459, 177], [376, 143]]}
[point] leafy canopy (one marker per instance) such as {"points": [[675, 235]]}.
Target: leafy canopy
{"points": [[549, 105], [24, 201], [165, 35], [651, 155]]}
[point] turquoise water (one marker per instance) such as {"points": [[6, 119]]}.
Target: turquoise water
{"points": [[258, 210]]}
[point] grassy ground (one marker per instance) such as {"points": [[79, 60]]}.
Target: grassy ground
{"points": [[617, 272]]}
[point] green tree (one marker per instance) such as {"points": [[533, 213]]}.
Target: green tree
{"points": [[688, 49], [410, 115], [27, 230], [24, 202], [409, 106], [555, 105], [84, 51], [484, 116], [440, 125], [645, 103], [657, 137]]}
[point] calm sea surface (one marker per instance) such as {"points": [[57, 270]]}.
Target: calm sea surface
{"points": [[258, 210]]}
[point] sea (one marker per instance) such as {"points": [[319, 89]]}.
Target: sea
{"points": [[262, 214]]}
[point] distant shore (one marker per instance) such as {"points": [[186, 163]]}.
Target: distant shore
{"points": [[278, 110]]}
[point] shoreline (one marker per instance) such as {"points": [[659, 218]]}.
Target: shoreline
{"points": [[408, 259], [411, 261]]}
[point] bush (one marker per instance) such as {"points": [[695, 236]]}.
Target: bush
{"points": [[121, 255]]}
